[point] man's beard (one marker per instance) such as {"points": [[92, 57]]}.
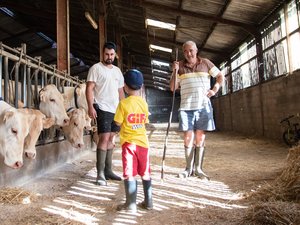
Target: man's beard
{"points": [[108, 62]]}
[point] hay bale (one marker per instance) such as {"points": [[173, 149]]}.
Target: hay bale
{"points": [[286, 187], [272, 213], [16, 196]]}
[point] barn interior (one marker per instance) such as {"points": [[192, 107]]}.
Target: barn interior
{"points": [[255, 44]]}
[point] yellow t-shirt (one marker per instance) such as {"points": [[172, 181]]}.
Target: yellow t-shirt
{"points": [[132, 114]]}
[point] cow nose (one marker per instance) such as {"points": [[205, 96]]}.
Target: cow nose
{"points": [[18, 164], [30, 155], [79, 145]]}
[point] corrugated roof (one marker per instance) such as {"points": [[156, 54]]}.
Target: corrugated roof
{"points": [[217, 26]]}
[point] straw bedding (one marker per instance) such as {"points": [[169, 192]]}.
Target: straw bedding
{"points": [[278, 203], [15, 196], [286, 187]]}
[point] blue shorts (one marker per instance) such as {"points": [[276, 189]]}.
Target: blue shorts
{"points": [[201, 119]]}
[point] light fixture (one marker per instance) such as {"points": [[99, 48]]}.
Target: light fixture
{"points": [[156, 47], [159, 24], [91, 20]]}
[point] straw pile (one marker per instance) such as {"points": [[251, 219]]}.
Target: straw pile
{"points": [[278, 203], [273, 213], [286, 187], [15, 196]]}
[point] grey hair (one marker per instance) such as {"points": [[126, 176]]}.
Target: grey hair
{"points": [[190, 43]]}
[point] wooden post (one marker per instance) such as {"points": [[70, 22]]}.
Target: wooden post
{"points": [[63, 35]]}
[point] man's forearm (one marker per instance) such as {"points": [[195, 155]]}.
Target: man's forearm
{"points": [[218, 83]]}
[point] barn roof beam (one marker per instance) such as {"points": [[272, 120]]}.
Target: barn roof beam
{"points": [[251, 28]]}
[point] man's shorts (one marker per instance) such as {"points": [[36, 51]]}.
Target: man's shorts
{"points": [[201, 119], [105, 121]]}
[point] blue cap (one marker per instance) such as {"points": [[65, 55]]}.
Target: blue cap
{"points": [[133, 79]]}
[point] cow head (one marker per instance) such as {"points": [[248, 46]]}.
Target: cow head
{"points": [[52, 105], [14, 127], [39, 123], [74, 131]]}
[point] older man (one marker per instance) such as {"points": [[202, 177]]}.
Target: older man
{"points": [[195, 112]]}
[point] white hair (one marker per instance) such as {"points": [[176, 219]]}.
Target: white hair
{"points": [[190, 43]]}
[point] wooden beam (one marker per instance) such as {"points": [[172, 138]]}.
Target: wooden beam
{"points": [[102, 28], [63, 35], [251, 28]]}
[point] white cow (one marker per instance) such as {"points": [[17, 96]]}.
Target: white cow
{"points": [[74, 131], [52, 105], [76, 97], [14, 127], [39, 123]]}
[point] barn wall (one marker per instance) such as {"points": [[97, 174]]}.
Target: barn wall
{"points": [[258, 110], [160, 104], [48, 157]]}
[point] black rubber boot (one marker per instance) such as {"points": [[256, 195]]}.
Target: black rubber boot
{"points": [[189, 157], [147, 203], [109, 174], [199, 156], [131, 192], [100, 165]]}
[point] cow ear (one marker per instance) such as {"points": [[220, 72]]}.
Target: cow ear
{"points": [[42, 96], [48, 122], [7, 115]]}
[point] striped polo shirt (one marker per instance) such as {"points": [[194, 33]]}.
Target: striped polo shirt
{"points": [[195, 83]]}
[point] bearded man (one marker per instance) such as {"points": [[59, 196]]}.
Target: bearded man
{"points": [[104, 90]]}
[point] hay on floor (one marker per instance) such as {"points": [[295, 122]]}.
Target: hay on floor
{"points": [[286, 187], [16, 196], [272, 213]]}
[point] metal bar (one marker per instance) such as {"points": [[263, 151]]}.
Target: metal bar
{"points": [[17, 66], [36, 91], [28, 89], [29, 61], [23, 84], [6, 78], [45, 74], [42, 79]]}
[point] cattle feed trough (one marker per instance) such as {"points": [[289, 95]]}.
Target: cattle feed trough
{"points": [[23, 80]]}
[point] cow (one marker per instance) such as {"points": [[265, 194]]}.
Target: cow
{"points": [[14, 127], [74, 131], [52, 105], [75, 97], [39, 123]]}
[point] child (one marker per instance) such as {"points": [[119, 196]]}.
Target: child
{"points": [[131, 115]]}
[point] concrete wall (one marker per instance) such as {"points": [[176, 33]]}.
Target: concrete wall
{"points": [[258, 110], [49, 156], [160, 104]]}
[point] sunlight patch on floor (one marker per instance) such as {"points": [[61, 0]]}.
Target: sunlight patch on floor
{"points": [[72, 214]]}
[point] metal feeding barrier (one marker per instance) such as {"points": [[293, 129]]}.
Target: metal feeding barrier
{"points": [[22, 76], [16, 67]]}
